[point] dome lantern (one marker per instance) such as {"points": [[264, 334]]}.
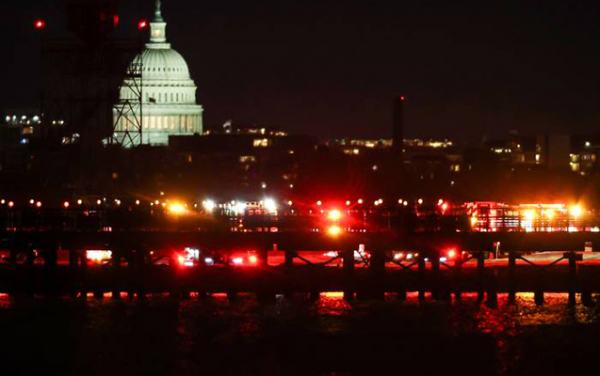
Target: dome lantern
{"points": [[158, 29]]}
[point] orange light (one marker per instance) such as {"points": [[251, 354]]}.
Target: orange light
{"points": [[253, 259], [38, 204], [474, 220], [576, 211], [529, 215], [97, 257], [66, 204], [334, 215], [444, 206], [177, 209], [549, 213], [181, 260], [334, 231], [11, 204]]}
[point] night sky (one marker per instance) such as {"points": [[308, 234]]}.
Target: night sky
{"points": [[331, 68]]}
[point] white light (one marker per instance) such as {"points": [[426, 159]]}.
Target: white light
{"points": [[239, 208], [209, 205], [270, 205], [237, 261], [209, 261]]}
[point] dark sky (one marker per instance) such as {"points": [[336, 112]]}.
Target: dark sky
{"points": [[331, 68]]}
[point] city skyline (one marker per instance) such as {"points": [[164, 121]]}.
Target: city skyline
{"points": [[467, 70]]}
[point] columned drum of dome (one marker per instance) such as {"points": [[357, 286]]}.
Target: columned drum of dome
{"points": [[168, 94]]}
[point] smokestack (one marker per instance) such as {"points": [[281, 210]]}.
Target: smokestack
{"points": [[398, 124]]}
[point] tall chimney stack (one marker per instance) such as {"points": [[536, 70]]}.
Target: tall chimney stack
{"points": [[398, 124]]}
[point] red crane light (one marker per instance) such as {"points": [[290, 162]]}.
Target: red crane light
{"points": [[142, 24], [39, 24]]}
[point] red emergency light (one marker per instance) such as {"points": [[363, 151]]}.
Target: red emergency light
{"points": [[142, 24], [39, 24]]}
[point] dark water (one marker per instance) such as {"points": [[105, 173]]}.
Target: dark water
{"points": [[294, 336]]}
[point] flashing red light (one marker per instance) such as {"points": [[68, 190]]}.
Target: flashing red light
{"points": [[116, 20], [142, 24], [451, 253], [334, 231], [334, 215], [39, 24], [402, 98]]}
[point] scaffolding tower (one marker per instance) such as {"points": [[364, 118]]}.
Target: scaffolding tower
{"points": [[128, 110]]}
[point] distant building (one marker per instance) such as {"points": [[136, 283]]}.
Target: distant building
{"points": [[168, 94], [556, 151]]}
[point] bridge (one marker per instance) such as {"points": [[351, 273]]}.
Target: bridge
{"points": [[362, 265]]}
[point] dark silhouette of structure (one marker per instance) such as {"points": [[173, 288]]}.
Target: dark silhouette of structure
{"points": [[398, 125]]}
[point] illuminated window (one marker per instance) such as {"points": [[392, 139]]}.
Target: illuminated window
{"points": [[261, 142]]}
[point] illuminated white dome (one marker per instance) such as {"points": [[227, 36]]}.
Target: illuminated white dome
{"points": [[168, 93], [162, 64]]}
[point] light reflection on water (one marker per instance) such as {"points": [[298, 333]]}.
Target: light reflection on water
{"points": [[212, 326]]}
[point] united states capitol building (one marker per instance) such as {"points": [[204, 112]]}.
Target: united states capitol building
{"points": [[166, 89]]}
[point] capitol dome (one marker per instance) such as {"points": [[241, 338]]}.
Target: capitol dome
{"points": [[162, 64], [159, 95]]}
